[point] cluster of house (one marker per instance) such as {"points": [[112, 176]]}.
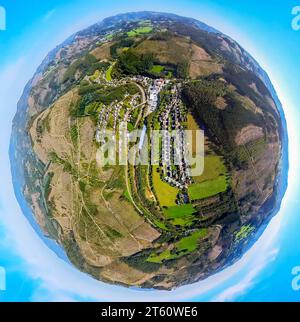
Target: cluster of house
{"points": [[114, 111], [154, 91], [103, 119], [115, 108], [171, 118], [142, 80], [174, 148]]}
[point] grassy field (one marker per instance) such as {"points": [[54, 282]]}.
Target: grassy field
{"points": [[192, 126], [208, 188], [213, 179], [213, 168], [183, 247], [179, 211], [165, 193], [165, 255], [181, 215], [108, 73], [95, 76], [139, 31], [109, 37], [190, 243], [157, 69]]}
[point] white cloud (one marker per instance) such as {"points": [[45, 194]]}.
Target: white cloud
{"points": [[248, 281]]}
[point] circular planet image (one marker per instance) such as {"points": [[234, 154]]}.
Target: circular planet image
{"points": [[139, 219]]}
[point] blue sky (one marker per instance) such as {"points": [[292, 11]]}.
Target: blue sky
{"points": [[264, 29]]}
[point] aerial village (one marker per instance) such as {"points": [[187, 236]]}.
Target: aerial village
{"points": [[173, 162]]}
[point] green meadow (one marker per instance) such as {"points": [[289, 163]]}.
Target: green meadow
{"points": [[180, 215], [139, 31], [165, 193], [108, 73], [207, 188], [183, 247]]}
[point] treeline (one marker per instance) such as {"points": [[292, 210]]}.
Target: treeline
{"points": [[139, 261], [123, 43], [221, 125], [182, 70], [93, 95], [86, 65], [162, 36], [204, 92], [131, 63], [244, 80]]}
